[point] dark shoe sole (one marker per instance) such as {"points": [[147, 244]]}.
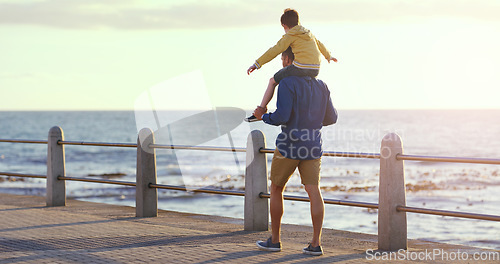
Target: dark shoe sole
{"points": [[251, 120], [312, 253]]}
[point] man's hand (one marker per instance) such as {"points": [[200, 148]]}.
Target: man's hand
{"points": [[259, 112], [333, 59], [251, 69]]}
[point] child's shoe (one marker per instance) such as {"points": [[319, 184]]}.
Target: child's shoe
{"points": [[251, 118]]}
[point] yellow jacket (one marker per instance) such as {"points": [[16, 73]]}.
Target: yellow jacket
{"points": [[305, 47]]}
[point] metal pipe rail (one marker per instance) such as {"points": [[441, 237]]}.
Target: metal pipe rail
{"points": [[336, 154], [202, 190], [159, 146], [210, 148], [24, 141], [99, 144], [447, 213], [327, 201], [262, 195], [23, 175], [96, 180], [351, 155], [448, 159]]}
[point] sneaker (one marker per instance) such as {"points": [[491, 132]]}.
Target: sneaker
{"points": [[310, 250], [269, 245], [251, 118]]}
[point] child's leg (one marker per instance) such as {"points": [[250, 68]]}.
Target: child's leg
{"points": [[268, 95], [273, 82]]}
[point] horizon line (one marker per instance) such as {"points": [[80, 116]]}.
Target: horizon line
{"points": [[194, 109]]}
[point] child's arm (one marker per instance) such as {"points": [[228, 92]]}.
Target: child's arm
{"points": [[271, 53], [325, 51]]}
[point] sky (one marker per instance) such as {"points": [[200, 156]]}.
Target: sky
{"points": [[107, 55]]}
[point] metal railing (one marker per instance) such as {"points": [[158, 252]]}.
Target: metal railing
{"points": [[392, 203], [448, 159], [338, 154], [202, 190], [23, 175], [23, 141], [97, 144], [402, 208], [62, 178], [208, 148], [262, 194]]}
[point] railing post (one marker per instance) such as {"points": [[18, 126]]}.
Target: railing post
{"points": [[392, 229], [256, 208], [56, 189], [146, 198]]}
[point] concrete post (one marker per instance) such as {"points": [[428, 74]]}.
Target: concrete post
{"points": [[146, 198], [392, 230], [56, 189], [256, 208]]}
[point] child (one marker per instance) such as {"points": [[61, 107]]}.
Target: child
{"points": [[306, 49]]}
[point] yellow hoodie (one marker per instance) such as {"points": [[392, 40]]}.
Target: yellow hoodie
{"points": [[305, 47]]}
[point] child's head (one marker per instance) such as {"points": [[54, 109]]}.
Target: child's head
{"points": [[290, 18]]}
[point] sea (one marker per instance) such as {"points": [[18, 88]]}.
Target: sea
{"points": [[470, 188]]}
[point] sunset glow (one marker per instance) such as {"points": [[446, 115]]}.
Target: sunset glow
{"points": [[94, 55]]}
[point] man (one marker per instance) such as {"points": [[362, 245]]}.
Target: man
{"points": [[303, 107]]}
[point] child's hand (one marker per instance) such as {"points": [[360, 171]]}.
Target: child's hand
{"points": [[333, 59], [251, 69]]}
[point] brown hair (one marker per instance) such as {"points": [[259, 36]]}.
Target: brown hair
{"points": [[289, 53], [290, 18]]}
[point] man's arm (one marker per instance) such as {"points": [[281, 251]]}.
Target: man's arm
{"points": [[331, 114], [284, 104]]}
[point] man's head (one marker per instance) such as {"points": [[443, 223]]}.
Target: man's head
{"points": [[289, 19], [287, 57]]}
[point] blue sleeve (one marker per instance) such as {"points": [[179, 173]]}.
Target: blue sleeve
{"points": [[331, 114], [284, 105]]}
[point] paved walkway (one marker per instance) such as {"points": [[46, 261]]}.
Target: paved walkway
{"points": [[84, 232]]}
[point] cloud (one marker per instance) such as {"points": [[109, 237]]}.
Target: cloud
{"points": [[130, 14], [135, 14]]}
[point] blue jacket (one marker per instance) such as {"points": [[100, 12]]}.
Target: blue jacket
{"points": [[303, 106]]}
